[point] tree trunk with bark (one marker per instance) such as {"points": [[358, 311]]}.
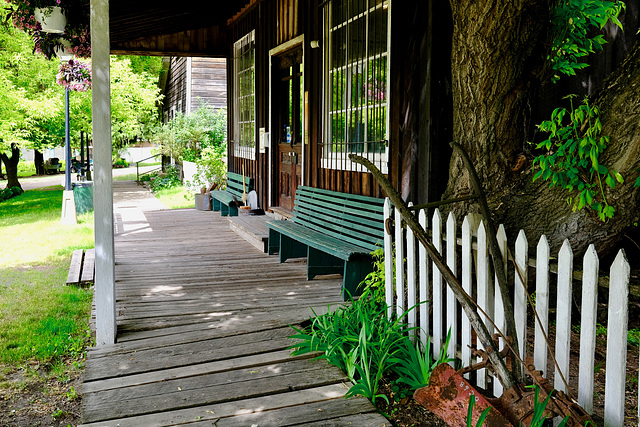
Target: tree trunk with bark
{"points": [[38, 161], [496, 56], [11, 165]]}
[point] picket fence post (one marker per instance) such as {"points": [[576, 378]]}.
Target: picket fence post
{"points": [[388, 260], [485, 293], [520, 293], [436, 230], [452, 303], [542, 304], [424, 284], [588, 322], [412, 316], [400, 307], [616, 376], [498, 316], [466, 285]]}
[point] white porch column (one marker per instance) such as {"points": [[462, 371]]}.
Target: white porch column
{"points": [[103, 181]]}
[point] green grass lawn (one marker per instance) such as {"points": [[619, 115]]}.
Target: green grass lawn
{"points": [[176, 197], [41, 318], [126, 177]]}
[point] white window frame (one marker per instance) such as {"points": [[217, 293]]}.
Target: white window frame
{"points": [[340, 160], [244, 144]]}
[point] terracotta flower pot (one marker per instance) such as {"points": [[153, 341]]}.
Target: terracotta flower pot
{"points": [[51, 18]]}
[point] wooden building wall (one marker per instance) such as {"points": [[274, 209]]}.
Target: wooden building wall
{"points": [[331, 179], [250, 19], [421, 104], [418, 140], [175, 95], [209, 82]]}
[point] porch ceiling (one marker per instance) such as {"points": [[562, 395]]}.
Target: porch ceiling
{"points": [[176, 28]]}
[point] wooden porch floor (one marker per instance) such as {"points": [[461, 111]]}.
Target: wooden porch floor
{"points": [[203, 329]]}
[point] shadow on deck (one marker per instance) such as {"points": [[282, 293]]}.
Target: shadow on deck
{"points": [[203, 327]]}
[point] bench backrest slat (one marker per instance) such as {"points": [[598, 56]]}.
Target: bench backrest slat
{"points": [[351, 218], [354, 224], [344, 233], [234, 184]]}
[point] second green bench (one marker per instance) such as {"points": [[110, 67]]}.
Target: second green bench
{"points": [[227, 201]]}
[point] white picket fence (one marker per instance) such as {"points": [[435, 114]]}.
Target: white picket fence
{"points": [[426, 287]]}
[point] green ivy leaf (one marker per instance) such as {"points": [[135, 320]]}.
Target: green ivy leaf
{"points": [[609, 211], [610, 181]]}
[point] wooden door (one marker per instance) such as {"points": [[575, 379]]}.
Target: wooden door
{"points": [[288, 102], [290, 173]]}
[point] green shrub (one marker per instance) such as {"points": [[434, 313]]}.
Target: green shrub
{"points": [[120, 163], [366, 344], [168, 179], [187, 136], [211, 167], [9, 193]]}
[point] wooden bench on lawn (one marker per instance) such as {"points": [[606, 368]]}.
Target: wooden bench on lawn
{"points": [[227, 201], [335, 231], [82, 268], [52, 169]]}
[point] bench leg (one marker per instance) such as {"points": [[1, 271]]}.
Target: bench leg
{"points": [[290, 248], [224, 210], [319, 263], [216, 205], [355, 270], [233, 210], [274, 242]]}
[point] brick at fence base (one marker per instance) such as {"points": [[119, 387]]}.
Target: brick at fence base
{"points": [[447, 396]]}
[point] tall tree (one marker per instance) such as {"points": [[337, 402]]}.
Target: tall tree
{"points": [[501, 54], [26, 85], [32, 103]]}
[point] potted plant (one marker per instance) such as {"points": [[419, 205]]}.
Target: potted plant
{"points": [[74, 75], [36, 17]]}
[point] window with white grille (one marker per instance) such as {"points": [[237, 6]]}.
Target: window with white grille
{"points": [[356, 49], [244, 97]]}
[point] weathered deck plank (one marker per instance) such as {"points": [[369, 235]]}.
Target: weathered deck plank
{"points": [[73, 278], [203, 326], [212, 413], [88, 267]]}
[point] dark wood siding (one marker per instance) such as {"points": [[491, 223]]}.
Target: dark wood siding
{"points": [[252, 18], [209, 82], [418, 140], [208, 42], [175, 95], [421, 106]]}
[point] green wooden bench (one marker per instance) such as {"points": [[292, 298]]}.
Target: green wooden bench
{"points": [[335, 231], [227, 201]]}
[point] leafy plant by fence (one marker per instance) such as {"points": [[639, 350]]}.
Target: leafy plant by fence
{"points": [[426, 288]]}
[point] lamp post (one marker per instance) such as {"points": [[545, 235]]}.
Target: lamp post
{"points": [[68, 201], [67, 143]]}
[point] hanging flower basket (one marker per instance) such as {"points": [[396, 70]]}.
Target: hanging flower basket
{"points": [[74, 75], [53, 23], [51, 19]]}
